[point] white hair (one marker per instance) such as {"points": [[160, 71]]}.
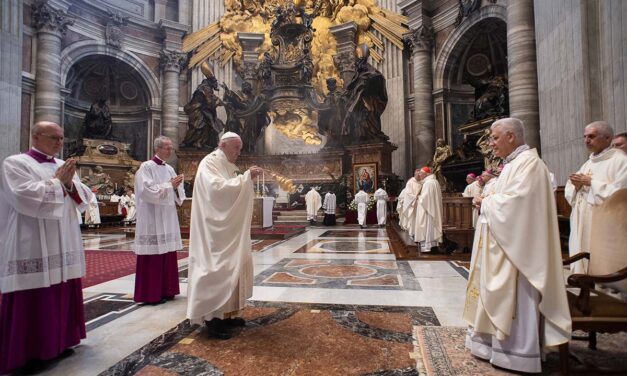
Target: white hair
{"points": [[513, 125], [159, 141], [603, 127]]}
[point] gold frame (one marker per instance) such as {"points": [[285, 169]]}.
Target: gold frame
{"points": [[372, 169]]}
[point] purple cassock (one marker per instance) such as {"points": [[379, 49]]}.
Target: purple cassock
{"points": [[156, 276], [40, 323]]}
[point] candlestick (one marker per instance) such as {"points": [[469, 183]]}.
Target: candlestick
{"points": [[263, 184], [257, 184]]}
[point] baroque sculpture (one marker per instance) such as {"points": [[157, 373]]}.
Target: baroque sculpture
{"points": [[97, 123], [247, 114], [491, 97], [99, 181]]}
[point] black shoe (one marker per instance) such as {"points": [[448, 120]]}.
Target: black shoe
{"points": [[235, 321], [217, 328]]}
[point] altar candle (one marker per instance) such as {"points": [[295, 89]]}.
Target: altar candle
{"points": [[263, 184], [257, 184]]}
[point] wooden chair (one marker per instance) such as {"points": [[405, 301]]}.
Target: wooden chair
{"points": [[593, 310]]}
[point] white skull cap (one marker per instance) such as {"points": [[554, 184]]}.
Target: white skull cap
{"points": [[228, 135]]}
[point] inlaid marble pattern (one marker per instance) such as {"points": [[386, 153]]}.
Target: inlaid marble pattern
{"points": [[104, 308], [462, 267], [340, 274], [342, 246], [366, 233]]}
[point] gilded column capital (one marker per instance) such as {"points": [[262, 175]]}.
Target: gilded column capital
{"points": [[47, 18], [420, 39], [172, 60]]}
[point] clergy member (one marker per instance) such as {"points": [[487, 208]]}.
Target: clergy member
{"points": [[604, 173], [329, 209], [382, 202], [473, 189], [220, 261], [361, 199], [157, 232], [620, 141], [400, 209], [313, 201], [412, 191], [428, 226], [42, 258], [516, 295], [92, 213], [132, 208]]}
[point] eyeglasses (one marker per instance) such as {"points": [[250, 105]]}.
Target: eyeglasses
{"points": [[54, 138]]}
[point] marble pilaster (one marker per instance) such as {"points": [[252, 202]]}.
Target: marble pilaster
{"points": [[345, 46], [250, 42], [171, 62], [522, 68], [10, 76], [51, 25], [160, 6]]}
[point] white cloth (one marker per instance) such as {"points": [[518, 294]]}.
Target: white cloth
{"points": [[428, 223], [115, 198], [220, 261], [39, 230], [608, 170], [410, 203], [522, 204], [473, 190], [314, 203], [329, 203], [131, 208], [553, 181], [400, 208], [157, 231], [123, 204], [382, 202], [92, 214], [361, 199]]}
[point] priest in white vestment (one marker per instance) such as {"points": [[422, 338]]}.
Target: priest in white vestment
{"points": [[42, 259], [157, 233], [361, 199], [412, 191], [313, 201], [400, 208], [620, 142], [92, 214], [132, 208], [328, 206], [516, 296], [604, 173], [220, 261], [472, 190], [382, 205], [428, 224]]}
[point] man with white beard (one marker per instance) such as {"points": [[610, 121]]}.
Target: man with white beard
{"points": [[604, 173]]}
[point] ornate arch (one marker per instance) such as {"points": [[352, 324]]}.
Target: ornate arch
{"points": [[79, 50], [450, 54]]}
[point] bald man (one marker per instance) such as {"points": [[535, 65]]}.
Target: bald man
{"points": [[42, 258], [620, 141], [604, 173]]}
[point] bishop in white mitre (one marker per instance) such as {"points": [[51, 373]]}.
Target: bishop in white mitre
{"points": [[42, 259], [329, 206], [381, 196], [220, 260], [604, 173], [516, 296], [412, 191], [157, 232], [472, 190], [361, 199], [428, 224], [313, 203]]}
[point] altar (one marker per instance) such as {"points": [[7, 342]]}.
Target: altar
{"points": [[262, 212]]}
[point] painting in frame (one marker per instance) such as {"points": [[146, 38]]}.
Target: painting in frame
{"points": [[365, 177]]}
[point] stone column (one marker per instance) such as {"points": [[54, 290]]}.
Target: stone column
{"points": [[184, 12], [250, 42], [51, 25], [171, 62], [10, 76], [522, 70], [345, 58], [160, 6]]}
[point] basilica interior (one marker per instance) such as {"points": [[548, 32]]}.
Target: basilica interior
{"points": [[335, 95]]}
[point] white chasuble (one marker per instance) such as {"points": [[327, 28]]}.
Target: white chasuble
{"points": [[382, 199], [428, 223], [410, 203], [157, 230], [473, 190], [220, 260], [39, 226], [400, 209], [518, 235], [92, 214], [608, 171], [314, 203], [361, 199]]}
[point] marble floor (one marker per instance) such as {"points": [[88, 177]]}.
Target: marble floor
{"points": [[344, 266]]}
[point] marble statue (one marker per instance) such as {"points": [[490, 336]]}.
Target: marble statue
{"points": [[99, 181]]}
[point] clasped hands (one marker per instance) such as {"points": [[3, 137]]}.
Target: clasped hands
{"points": [[580, 180], [66, 172], [176, 181]]}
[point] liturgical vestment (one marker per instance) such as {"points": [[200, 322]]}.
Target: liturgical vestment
{"points": [[608, 171], [400, 207], [382, 202], [473, 190], [361, 199], [428, 223], [41, 262], [412, 191], [313, 202], [328, 206], [157, 232], [516, 280], [220, 260]]}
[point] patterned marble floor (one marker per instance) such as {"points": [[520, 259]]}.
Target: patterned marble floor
{"points": [[326, 268]]}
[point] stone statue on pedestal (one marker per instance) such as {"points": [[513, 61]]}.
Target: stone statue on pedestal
{"points": [[331, 115], [97, 123], [442, 153], [491, 97], [99, 181], [247, 114]]}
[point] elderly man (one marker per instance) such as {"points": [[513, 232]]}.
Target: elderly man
{"points": [[604, 173], [428, 225], [313, 201], [473, 189], [516, 296], [361, 199], [220, 260], [412, 191], [42, 258], [157, 233], [382, 202], [620, 141]]}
